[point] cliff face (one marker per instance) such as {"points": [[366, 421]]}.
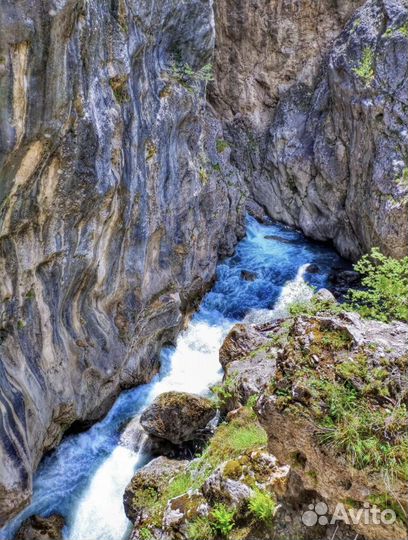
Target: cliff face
{"points": [[318, 121], [115, 206]]}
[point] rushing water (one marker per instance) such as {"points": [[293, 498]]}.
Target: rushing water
{"points": [[85, 478]]}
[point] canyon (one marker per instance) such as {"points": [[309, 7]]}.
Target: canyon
{"points": [[126, 169]]}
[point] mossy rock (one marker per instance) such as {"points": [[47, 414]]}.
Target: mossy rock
{"points": [[178, 417]]}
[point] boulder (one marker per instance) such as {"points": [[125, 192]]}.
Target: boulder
{"points": [[178, 417], [147, 484], [40, 528], [241, 340], [324, 295], [248, 276], [313, 269]]}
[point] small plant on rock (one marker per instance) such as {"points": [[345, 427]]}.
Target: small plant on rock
{"points": [[145, 534], [200, 529], [262, 505], [223, 519], [189, 78], [366, 68]]}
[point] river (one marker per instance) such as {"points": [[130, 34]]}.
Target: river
{"points": [[85, 477]]}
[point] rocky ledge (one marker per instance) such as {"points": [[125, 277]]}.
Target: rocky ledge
{"points": [[314, 411]]}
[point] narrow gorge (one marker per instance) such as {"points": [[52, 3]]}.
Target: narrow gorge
{"points": [[169, 169]]}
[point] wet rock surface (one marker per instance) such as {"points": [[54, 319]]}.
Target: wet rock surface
{"points": [[314, 96], [178, 417], [39, 528]]}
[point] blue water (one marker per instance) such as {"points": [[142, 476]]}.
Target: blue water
{"points": [[84, 479]]}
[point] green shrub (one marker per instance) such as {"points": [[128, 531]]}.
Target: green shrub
{"points": [[366, 68], [386, 287], [223, 519], [200, 529], [262, 505]]}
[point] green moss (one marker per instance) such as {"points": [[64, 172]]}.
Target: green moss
{"points": [[230, 440], [21, 324], [356, 24], [385, 502], [312, 475], [365, 70], [314, 306], [233, 469], [355, 367]]}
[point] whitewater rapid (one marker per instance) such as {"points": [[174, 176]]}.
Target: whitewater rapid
{"points": [[85, 477]]}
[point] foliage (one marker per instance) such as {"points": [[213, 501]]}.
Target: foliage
{"points": [[180, 484], [145, 534], [191, 79], [366, 68], [225, 391], [386, 287], [231, 439], [313, 307], [370, 437], [200, 529], [222, 519], [250, 404], [221, 145], [403, 179], [203, 174], [404, 29], [262, 505], [384, 502]]}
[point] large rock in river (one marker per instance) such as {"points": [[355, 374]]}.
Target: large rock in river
{"points": [[39, 528], [177, 416]]}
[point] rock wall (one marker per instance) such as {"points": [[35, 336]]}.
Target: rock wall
{"points": [[316, 109], [115, 206]]}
